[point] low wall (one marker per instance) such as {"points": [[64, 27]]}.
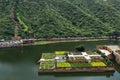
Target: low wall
{"points": [[117, 57], [83, 69]]}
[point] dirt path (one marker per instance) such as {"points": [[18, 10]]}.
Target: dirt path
{"points": [[12, 16]]}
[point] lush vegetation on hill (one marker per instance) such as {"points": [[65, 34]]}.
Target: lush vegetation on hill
{"points": [[60, 18]]}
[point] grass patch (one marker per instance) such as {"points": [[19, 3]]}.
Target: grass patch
{"points": [[43, 42], [60, 52], [59, 41], [98, 64], [63, 64], [48, 55]]}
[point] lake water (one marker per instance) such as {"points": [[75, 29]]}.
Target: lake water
{"points": [[21, 63]]}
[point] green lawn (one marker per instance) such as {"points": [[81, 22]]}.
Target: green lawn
{"points": [[43, 42], [57, 41]]}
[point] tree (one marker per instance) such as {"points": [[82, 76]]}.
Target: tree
{"points": [[80, 48], [114, 35]]}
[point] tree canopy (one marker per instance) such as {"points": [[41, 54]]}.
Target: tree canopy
{"points": [[60, 18]]}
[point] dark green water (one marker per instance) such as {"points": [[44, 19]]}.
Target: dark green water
{"points": [[21, 63]]}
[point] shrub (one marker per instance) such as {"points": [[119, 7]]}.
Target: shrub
{"points": [[80, 48]]}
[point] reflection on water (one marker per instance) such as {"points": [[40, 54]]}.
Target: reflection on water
{"points": [[107, 74], [117, 67]]}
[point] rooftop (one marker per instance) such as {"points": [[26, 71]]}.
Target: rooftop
{"points": [[113, 47], [106, 52], [118, 51]]}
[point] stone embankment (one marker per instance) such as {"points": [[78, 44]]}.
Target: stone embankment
{"points": [[11, 43]]}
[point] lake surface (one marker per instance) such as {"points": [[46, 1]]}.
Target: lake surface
{"points": [[21, 63]]}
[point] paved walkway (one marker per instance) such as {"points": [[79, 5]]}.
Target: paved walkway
{"points": [[106, 52]]}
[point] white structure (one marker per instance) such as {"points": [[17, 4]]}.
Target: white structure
{"points": [[115, 48], [108, 50], [87, 57]]}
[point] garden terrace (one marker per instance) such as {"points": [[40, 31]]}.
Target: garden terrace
{"points": [[77, 59], [61, 58], [47, 65], [62, 61], [60, 52], [48, 56], [63, 65], [58, 57], [91, 53], [96, 58], [98, 64], [81, 64], [76, 53]]}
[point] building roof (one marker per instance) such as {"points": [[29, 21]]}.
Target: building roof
{"points": [[106, 52], [113, 47]]}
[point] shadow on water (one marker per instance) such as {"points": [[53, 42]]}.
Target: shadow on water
{"points": [[117, 67], [107, 74]]}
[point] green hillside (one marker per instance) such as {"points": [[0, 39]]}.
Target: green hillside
{"points": [[60, 18]]}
